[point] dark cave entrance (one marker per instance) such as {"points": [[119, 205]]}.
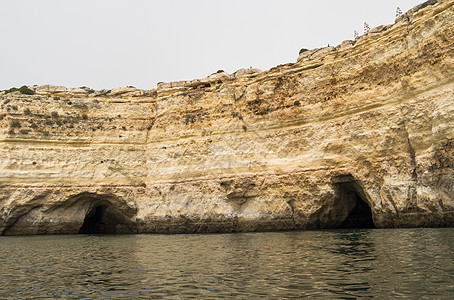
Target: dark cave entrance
{"points": [[102, 214], [354, 210], [97, 221], [360, 215]]}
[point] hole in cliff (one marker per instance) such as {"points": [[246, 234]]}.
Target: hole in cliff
{"points": [[353, 208], [104, 219], [360, 215], [95, 222], [100, 214]]}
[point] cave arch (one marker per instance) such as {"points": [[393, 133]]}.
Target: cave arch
{"points": [[104, 214], [353, 209], [95, 222]]}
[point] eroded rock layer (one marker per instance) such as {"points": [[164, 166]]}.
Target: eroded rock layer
{"points": [[358, 135]]}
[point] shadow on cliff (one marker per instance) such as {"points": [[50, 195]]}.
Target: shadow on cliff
{"points": [[347, 208], [105, 214], [85, 213], [351, 209]]}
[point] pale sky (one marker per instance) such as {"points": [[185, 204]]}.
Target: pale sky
{"points": [[115, 43]]}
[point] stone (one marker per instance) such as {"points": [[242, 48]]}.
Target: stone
{"points": [[50, 89], [247, 72], [219, 76], [125, 90], [359, 135]]}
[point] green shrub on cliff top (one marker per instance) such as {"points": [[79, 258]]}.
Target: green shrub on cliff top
{"points": [[13, 89], [26, 91], [425, 4], [23, 90]]}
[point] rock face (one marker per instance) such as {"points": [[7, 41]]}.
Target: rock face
{"points": [[358, 135]]}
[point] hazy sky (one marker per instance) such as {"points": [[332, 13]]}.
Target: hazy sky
{"points": [[114, 43]]}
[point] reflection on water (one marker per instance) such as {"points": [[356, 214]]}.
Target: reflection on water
{"points": [[345, 264]]}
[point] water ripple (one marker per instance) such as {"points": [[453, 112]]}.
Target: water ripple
{"points": [[345, 264]]}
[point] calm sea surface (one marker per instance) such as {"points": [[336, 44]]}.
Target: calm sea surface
{"points": [[337, 264]]}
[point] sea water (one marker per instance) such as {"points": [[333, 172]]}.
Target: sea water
{"points": [[326, 264]]}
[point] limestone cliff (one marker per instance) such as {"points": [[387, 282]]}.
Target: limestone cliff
{"points": [[346, 136]]}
